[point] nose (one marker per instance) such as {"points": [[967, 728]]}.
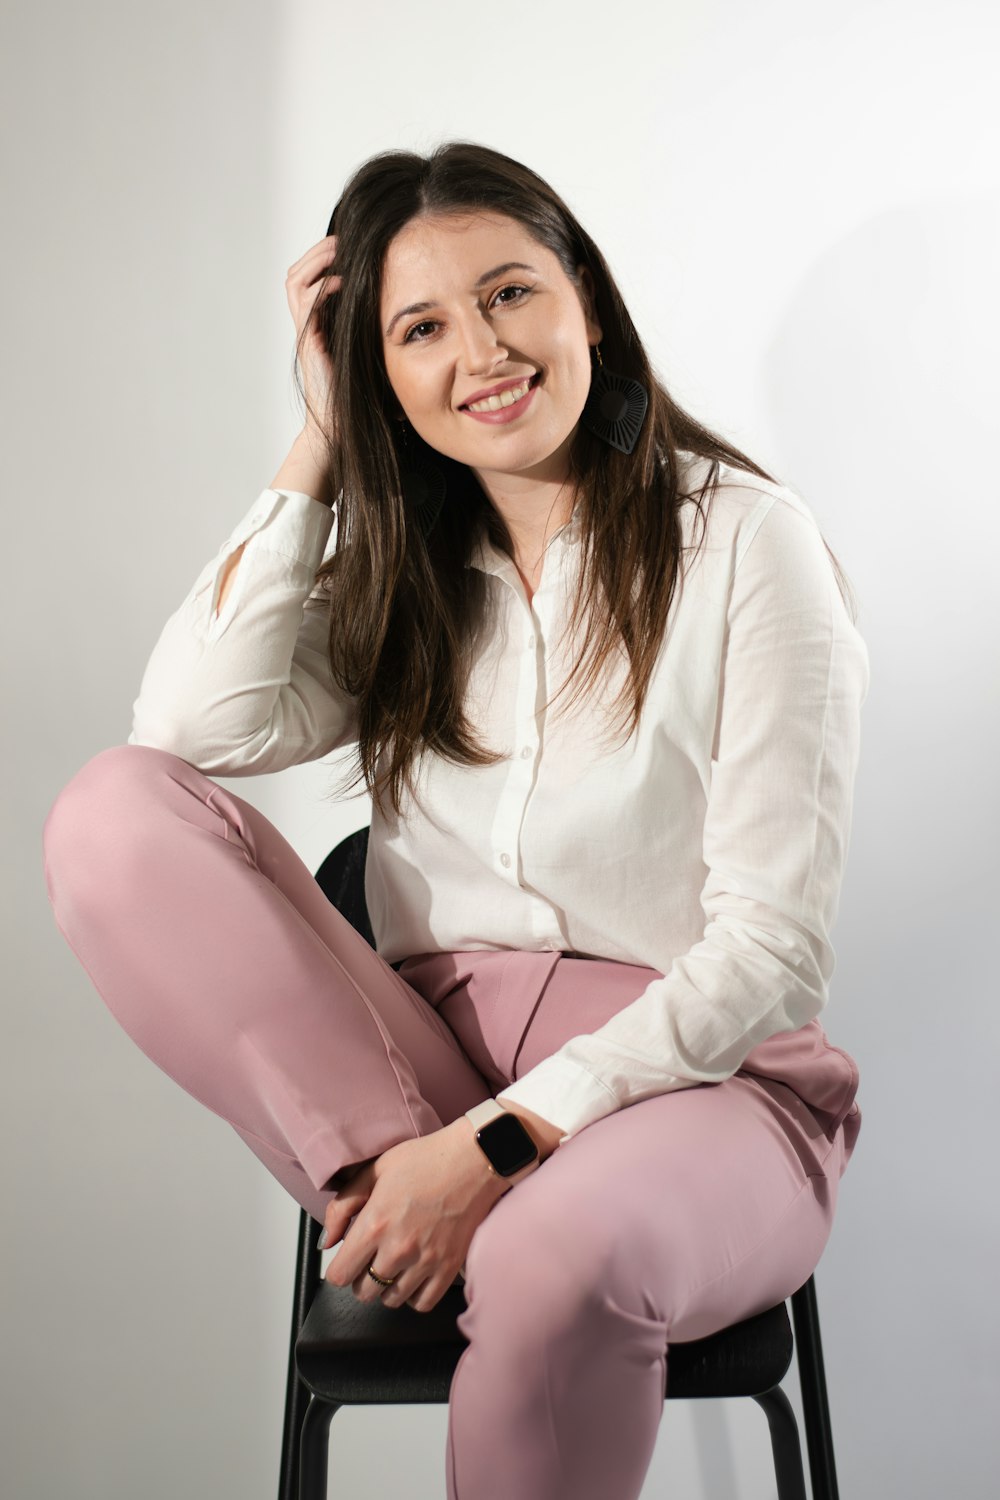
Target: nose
{"points": [[481, 351]]}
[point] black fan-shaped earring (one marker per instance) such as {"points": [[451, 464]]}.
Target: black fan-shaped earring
{"points": [[423, 484], [616, 406]]}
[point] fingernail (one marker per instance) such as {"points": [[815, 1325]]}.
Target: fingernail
{"points": [[323, 1240]]}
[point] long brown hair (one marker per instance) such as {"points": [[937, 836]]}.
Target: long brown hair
{"points": [[403, 607]]}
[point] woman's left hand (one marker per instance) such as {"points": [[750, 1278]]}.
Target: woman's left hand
{"points": [[417, 1207]]}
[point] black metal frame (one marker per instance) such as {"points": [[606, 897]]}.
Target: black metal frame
{"points": [[707, 1364]]}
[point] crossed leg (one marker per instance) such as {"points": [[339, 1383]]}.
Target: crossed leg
{"points": [[217, 951]]}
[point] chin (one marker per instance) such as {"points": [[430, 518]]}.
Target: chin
{"points": [[514, 458]]}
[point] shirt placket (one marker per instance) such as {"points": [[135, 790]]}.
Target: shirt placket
{"points": [[532, 630]]}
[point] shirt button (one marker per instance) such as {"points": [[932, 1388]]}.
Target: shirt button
{"points": [[526, 752], [505, 861], [531, 642]]}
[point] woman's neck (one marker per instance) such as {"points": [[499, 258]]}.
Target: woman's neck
{"points": [[532, 515]]}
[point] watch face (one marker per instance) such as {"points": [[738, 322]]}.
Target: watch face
{"points": [[507, 1144]]}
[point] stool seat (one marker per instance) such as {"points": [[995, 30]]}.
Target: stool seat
{"points": [[353, 1353]]}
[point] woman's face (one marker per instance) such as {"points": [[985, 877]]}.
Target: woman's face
{"points": [[459, 319]]}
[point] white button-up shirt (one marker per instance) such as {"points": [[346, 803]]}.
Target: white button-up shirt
{"points": [[709, 847]]}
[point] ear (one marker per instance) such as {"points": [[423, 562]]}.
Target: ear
{"points": [[588, 298]]}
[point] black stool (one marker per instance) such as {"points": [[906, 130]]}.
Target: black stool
{"points": [[347, 1353]]}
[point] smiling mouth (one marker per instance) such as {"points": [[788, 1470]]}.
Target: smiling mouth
{"points": [[505, 398]]}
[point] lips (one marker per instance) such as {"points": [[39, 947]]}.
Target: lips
{"points": [[504, 385]]}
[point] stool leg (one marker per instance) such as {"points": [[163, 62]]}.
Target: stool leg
{"points": [[314, 1449], [785, 1445], [296, 1406], [307, 1266], [815, 1406]]}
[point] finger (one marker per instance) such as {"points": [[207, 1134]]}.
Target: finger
{"points": [[421, 1298], [411, 1285], [346, 1205], [406, 1284], [310, 263], [340, 1213], [406, 1291], [322, 247], [305, 300], [350, 1262], [334, 1229], [322, 288], [367, 1289], [319, 279], [432, 1291]]}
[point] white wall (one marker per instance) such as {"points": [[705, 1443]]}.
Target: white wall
{"points": [[803, 209]]}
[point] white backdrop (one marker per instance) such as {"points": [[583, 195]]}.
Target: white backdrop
{"points": [[803, 211]]}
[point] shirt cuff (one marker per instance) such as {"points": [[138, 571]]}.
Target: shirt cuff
{"points": [[288, 522], [561, 1091]]}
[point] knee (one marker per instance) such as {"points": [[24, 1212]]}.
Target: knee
{"points": [[106, 797], [536, 1275]]}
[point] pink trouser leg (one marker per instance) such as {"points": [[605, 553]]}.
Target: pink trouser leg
{"points": [[216, 950], [661, 1223]]}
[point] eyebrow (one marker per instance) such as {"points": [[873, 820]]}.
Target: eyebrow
{"points": [[417, 307]]}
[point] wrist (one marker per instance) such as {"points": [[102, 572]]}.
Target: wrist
{"points": [[514, 1148], [481, 1170], [306, 467]]}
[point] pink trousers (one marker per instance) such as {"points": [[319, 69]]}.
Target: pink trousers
{"points": [[213, 945]]}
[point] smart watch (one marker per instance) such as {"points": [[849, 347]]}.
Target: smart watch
{"points": [[504, 1141]]}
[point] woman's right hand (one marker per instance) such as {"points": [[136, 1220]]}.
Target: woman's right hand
{"points": [[305, 287]]}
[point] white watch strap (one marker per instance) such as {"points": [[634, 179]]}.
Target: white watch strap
{"points": [[482, 1114]]}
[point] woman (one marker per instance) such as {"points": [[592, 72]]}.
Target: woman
{"points": [[602, 920]]}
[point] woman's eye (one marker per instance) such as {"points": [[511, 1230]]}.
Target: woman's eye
{"points": [[409, 337], [511, 289]]}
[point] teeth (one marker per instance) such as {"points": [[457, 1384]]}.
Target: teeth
{"points": [[505, 398]]}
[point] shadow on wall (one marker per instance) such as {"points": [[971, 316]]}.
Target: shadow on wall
{"points": [[881, 389]]}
